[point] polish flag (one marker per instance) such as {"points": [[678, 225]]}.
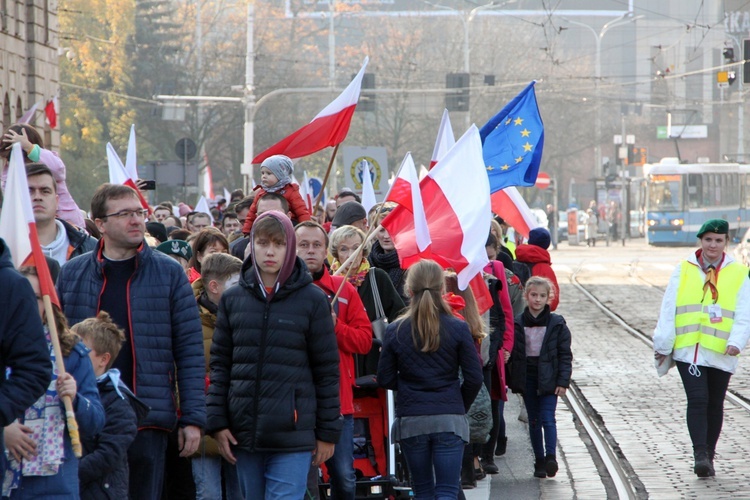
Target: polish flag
{"points": [[118, 175], [407, 223], [208, 183], [51, 110], [510, 205], [445, 139], [227, 195], [456, 193], [306, 192], [328, 128], [131, 166], [29, 115], [202, 206], [368, 192], [18, 228]]}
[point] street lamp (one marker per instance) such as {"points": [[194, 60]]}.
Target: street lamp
{"points": [[625, 18]]}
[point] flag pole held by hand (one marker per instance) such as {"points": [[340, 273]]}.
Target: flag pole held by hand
{"points": [[70, 416]]}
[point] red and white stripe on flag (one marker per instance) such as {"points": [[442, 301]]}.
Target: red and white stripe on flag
{"points": [[18, 228], [407, 223], [51, 110], [118, 175], [328, 128], [306, 192], [456, 195], [445, 139], [510, 205]]}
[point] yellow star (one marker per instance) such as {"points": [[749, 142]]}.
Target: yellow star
{"points": [[527, 147], [525, 133], [519, 159], [507, 122], [505, 167], [490, 168], [518, 121]]}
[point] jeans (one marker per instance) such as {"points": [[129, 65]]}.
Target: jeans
{"points": [[273, 475], [231, 481], [146, 457], [341, 464], [705, 404], [434, 461], [541, 411], [207, 472]]}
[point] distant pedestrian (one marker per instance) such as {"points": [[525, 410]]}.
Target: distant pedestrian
{"points": [[704, 323], [541, 366], [422, 354], [591, 227]]}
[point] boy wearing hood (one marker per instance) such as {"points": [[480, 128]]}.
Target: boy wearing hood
{"points": [[274, 393]]}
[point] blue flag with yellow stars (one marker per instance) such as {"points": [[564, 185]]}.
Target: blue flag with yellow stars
{"points": [[512, 142]]}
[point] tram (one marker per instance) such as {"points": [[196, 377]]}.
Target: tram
{"points": [[680, 197]]}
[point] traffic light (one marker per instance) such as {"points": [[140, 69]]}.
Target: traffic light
{"points": [[367, 99], [457, 100]]}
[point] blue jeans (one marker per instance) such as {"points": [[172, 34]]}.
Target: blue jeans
{"points": [[146, 457], [341, 464], [434, 461], [207, 477], [231, 481], [541, 411], [273, 475]]}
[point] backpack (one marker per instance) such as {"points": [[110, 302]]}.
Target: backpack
{"points": [[523, 271]]}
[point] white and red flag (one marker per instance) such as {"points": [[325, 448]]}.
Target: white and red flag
{"points": [[407, 223], [208, 182], [131, 165], [445, 139], [202, 206], [510, 205], [51, 110], [18, 227], [328, 128], [306, 192], [118, 174], [227, 195]]}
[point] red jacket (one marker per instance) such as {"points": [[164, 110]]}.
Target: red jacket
{"points": [[539, 259], [297, 206], [353, 333]]}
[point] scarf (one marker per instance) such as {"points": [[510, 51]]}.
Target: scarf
{"points": [[711, 276], [112, 374], [541, 320], [357, 277], [389, 263], [45, 418]]}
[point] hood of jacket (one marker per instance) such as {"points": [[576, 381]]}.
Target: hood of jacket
{"points": [[533, 254]]}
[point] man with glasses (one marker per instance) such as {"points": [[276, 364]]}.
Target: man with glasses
{"points": [[148, 296]]}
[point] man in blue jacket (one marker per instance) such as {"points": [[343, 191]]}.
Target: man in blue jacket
{"points": [[147, 295], [23, 349]]}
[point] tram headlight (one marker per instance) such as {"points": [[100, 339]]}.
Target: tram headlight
{"points": [[651, 222], [677, 222]]}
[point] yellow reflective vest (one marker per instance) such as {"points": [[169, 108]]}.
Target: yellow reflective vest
{"points": [[692, 322]]}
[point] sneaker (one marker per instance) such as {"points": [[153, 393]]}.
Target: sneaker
{"points": [[539, 468], [502, 445], [550, 465], [489, 466]]}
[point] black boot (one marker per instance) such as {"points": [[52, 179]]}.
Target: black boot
{"points": [[539, 468], [711, 455], [502, 445], [702, 467], [550, 465], [488, 465], [468, 478]]}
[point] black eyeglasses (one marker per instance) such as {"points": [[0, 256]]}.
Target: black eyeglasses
{"points": [[127, 214]]}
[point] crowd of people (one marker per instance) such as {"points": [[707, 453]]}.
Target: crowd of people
{"points": [[214, 355]]}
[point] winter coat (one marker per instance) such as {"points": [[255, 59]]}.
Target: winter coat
{"points": [[664, 333], [90, 418], [80, 241], [428, 383], [393, 304], [274, 365], [290, 192], [165, 331], [555, 357], [541, 265], [103, 471]]}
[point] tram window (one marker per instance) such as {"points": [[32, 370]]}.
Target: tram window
{"points": [[732, 190], [665, 192], [695, 190]]}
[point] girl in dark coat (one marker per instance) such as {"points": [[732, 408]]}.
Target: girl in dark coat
{"points": [[541, 365]]}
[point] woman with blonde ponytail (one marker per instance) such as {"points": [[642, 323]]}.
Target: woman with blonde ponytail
{"points": [[421, 356]]}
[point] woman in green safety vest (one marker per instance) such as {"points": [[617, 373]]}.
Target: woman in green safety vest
{"points": [[703, 324]]}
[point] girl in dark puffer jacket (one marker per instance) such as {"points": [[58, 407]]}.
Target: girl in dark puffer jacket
{"points": [[541, 365]]}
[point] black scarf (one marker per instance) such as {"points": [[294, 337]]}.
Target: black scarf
{"points": [[541, 320], [389, 263], [204, 301]]}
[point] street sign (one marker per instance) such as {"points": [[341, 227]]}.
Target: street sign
{"points": [[185, 149], [542, 180]]}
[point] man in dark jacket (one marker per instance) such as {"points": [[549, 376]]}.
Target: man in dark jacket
{"points": [[148, 296], [60, 240], [23, 348], [274, 393]]}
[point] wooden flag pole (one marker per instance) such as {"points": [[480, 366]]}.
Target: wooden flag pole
{"points": [[325, 180], [70, 416]]}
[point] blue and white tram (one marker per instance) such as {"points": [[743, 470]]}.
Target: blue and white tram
{"points": [[681, 197]]}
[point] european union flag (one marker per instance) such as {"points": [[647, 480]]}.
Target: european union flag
{"points": [[512, 142]]}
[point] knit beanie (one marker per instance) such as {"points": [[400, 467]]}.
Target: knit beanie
{"points": [[539, 237], [282, 167]]}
